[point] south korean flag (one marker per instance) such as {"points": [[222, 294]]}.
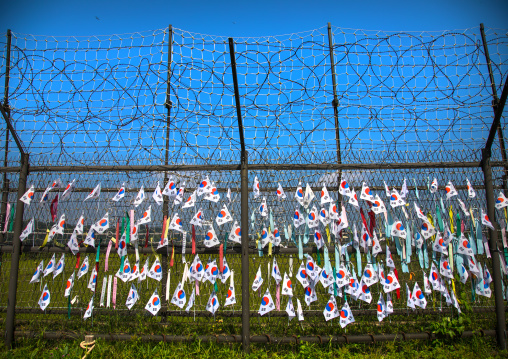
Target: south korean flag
{"points": [[176, 223], [140, 197], [313, 270], [230, 296], [226, 272], [59, 266], [435, 279], [309, 196], [122, 246], [275, 271], [143, 272], [267, 304], [156, 271], [463, 274], [418, 297], [302, 276], [191, 201], [353, 288], [440, 245], [213, 303], [191, 300], [420, 213], [365, 294], [135, 271], [255, 187], [27, 231], [211, 238], [280, 193], [464, 246], [325, 197], [265, 238], [410, 301], [170, 188], [332, 211], [399, 230], [287, 286], [343, 276], [45, 298], [396, 200], [344, 188], [470, 190], [346, 316], [120, 194], [69, 285], [501, 201], [211, 271], [51, 266], [426, 284], [445, 268], [433, 186], [154, 303], [276, 237], [90, 237], [353, 200], [310, 294], [157, 194], [427, 230], [299, 194], [369, 275], [263, 208], [213, 195], [102, 225], [486, 221], [366, 193], [258, 280], [80, 225], [381, 308], [132, 297], [331, 311], [197, 271], [179, 298], [224, 216], [28, 196], [389, 260], [298, 218], [89, 309], [124, 273], [326, 278], [376, 246], [313, 218], [391, 283], [84, 268], [378, 206], [389, 304], [450, 190], [236, 233], [198, 218], [290, 309], [147, 216], [61, 225]]}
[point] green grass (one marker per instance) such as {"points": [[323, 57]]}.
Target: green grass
{"points": [[471, 348]]}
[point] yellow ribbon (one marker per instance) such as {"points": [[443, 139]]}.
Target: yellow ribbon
{"points": [[328, 234], [168, 221], [450, 212], [113, 239], [270, 248], [45, 239]]}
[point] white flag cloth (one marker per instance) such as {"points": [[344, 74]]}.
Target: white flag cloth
{"points": [[323, 217], [255, 187], [140, 197], [326, 278], [331, 311], [353, 199], [211, 239], [92, 282], [280, 193], [191, 201], [176, 223], [275, 271], [263, 208], [470, 190], [378, 206], [353, 288], [501, 201], [198, 218], [211, 271], [50, 267], [157, 194], [365, 294], [69, 285], [333, 214], [463, 274], [396, 200], [73, 243], [236, 233], [427, 230], [302, 276], [389, 304], [389, 260], [410, 301], [155, 271], [310, 294], [230, 296], [369, 276], [120, 194], [440, 245], [80, 225], [299, 310], [59, 266], [420, 213], [276, 237], [28, 196], [37, 274], [267, 304], [298, 218], [144, 271], [426, 284], [132, 297], [170, 188], [464, 246], [391, 283], [154, 303], [325, 196], [313, 218], [444, 267], [179, 298], [433, 186], [290, 309], [463, 208], [190, 303], [344, 188], [102, 225], [381, 308], [346, 316], [228, 195], [204, 187], [96, 192], [44, 197], [147, 216], [342, 223], [213, 195], [197, 270], [299, 194], [122, 246], [403, 191], [287, 286], [45, 298], [224, 216], [366, 193], [258, 280], [27, 231], [135, 271], [124, 273], [89, 309], [309, 196], [343, 276], [90, 237], [398, 230], [313, 270], [418, 297], [435, 278], [226, 272], [450, 190], [486, 221], [213, 303]]}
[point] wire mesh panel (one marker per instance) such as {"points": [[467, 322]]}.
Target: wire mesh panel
{"points": [[84, 105]]}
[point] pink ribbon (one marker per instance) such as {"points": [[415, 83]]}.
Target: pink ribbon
{"points": [[197, 287], [114, 292], [132, 220], [7, 215], [487, 250], [462, 226], [277, 297], [110, 244]]}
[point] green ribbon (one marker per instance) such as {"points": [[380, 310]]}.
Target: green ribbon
{"points": [[334, 283], [216, 287], [318, 257], [11, 219], [69, 307], [439, 219]]}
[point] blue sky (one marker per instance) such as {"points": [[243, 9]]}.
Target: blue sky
{"points": [[242, 18]]}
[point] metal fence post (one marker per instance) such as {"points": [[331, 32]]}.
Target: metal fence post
{"points": [[244, 209], [16, 251], [5, 189]]}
